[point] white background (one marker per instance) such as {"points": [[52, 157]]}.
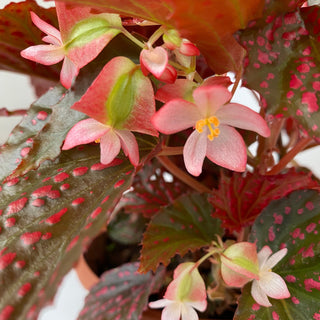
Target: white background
{"points": [[16, 93]]}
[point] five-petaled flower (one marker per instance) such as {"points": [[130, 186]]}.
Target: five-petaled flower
{"points": [[185, 293], [213, 118], [269, 283]]}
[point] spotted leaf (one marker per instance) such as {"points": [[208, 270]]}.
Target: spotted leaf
{"points": [[240, 199], [283, 65], [17, 32], [197, 21], [294, 223], [45, 217], [122, 293], [186, 225]]}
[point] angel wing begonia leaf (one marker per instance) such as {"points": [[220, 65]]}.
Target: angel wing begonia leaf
{"points": [[196, 21], [283, 66], [17, 32]]}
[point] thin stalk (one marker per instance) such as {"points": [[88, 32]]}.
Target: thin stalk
{"points": [[133, 38], [184, 177], [171, 151]]}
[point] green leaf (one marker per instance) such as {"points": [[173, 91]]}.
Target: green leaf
{"points": [[103, 301], [45, 214], [186, 225], [291, 222], [283, 65], [17, 32]]}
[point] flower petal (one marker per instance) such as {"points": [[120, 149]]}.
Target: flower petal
{"points": [[84, 132], [46, 54], [258, 295], [68, 73], [129, 145], [275, 258], [194, 152], [188, 313], [209, 98], [161, 303], [234, 278], [199, 305], [110, 147], [172, 311], [237, 115], [155, 60], [46, 27], [228, 149], [273, 285], [175, 116], [263, 255]]}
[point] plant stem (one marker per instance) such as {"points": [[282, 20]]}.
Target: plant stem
{"points": [[5, 113], [171, 151], [184, 177], [133, 38], [289, 156]]}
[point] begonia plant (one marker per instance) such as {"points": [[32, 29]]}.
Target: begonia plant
{"points": [[139, 145]]}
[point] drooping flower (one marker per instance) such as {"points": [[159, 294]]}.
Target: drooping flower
{"points": [[213, 119], [239, 264], [81, 38], [185, 293], [120, 100], [269, 284]]}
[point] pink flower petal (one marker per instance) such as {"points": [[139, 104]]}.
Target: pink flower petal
{"points": [[176, 115], [188, 313], [188, 49], [159, 303], [52, 40], [46, 27], [233, 278], [110, 147], [169, 75], [228, 149], [209, 98], [172, 311], [84, 132], [68, 73], [194, 152], [46, 54], [263, 255], [129, 145], [259, 295], [273, 285], [199, 305], [155, 60], [237, 115]]}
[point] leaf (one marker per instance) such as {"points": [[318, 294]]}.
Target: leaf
{"points": [[291, 222], [186, 225], [283, 65], [153, 188], [17, 32], [44, 215], [122, 294], [274, 7], [240, 199], [197, 21], [40, 134]]}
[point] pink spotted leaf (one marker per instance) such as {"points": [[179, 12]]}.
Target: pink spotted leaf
{"points": [[283, 66], [293, 223], [45, 217], [186, 225], [240, 199], [18, 32], [103, 301]]}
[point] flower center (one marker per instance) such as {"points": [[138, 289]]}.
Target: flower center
{"points": [[212, 123]]}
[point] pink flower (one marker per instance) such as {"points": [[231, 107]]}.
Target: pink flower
{"points": [[213, 119], [239, 264], [73, 45], [155, 61], [269, 283], [119, 101], [185, 293]]}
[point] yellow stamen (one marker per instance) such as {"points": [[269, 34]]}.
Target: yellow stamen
{"points": [[212, 123], [97, 140]]}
